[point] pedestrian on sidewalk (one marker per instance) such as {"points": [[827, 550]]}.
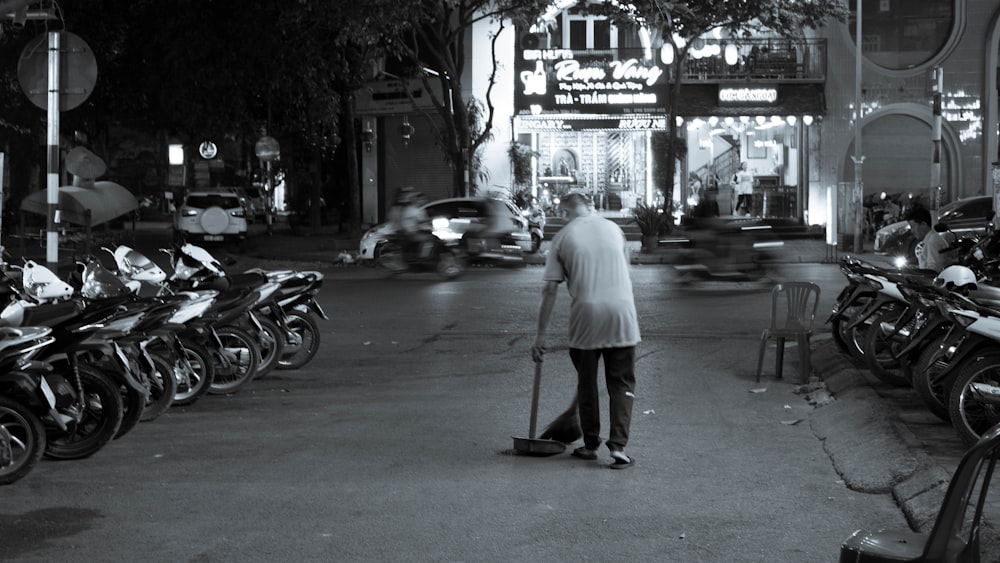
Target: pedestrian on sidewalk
{"points": [[591, 256]]}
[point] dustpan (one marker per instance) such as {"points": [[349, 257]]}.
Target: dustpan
{"points": [[531, 445]]}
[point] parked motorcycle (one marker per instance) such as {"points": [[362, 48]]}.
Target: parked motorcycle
{"points": [[289, 335], [24, 399]]}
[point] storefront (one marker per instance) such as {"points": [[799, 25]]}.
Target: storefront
{"points": [[593, 117], [588, 115]]}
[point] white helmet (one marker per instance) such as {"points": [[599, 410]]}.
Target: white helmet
{"points": [[956, 277]]}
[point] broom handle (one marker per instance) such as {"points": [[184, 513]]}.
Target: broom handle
{"points": [[534, 400]]}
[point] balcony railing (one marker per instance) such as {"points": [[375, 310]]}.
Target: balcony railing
{"points": [[757, 59], [762, 59]]}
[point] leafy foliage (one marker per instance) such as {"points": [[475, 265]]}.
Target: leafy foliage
{"points": [[652, 220]]}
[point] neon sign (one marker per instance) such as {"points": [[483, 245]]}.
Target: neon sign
{"points": [[587, 123], [747, 95], [568, 81]]}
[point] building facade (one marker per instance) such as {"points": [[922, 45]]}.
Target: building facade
{"points": [[589, 99]]}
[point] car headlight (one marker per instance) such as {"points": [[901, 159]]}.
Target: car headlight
{"points": [[439, 223]]}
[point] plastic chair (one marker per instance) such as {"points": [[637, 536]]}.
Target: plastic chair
{"points": [[946, 541], [798, 301]]}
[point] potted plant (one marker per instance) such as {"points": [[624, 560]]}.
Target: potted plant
{"points": [[652, 222]]}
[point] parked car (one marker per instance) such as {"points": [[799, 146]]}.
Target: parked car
{"points": [[211, 215], [454, 217], [961, 216], [258, 201], [248, 204]]}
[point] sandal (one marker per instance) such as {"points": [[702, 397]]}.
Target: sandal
{"points": [[621, 461], [585, 453]]}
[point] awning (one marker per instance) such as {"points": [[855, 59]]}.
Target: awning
{"points": [[105, 201]]}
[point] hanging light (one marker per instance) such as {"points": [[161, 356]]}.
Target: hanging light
{"points": [[680, 120], [776, 119], [667, 54], [368, 136], [406, 130], [807, 119], [713, 121], [729, 120], [791, 119], [732, 54], [744, 119], [760, 119]]}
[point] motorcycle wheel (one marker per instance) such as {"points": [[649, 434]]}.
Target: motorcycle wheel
{"points": [[194, 373], [306, 330], [271, 346], [449, 265], [236, 363], [27, 439], [974, 403], [880, 350], [928, 382], [856, 336], [908, 364], [102, 415], [162, 388], [843, 337], [133, 400], [391, 257], [133, 407]]}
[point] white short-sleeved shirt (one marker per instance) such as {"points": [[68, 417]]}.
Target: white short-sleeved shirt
{"points": [[589, 254], [929, 255]]}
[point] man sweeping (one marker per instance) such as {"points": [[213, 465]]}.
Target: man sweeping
{"points": [[591, 256]]}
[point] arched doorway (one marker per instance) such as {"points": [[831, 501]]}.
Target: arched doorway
{"points": [[898, 149]]}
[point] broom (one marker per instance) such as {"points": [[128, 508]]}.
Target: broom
{"points": [[566, 427]]}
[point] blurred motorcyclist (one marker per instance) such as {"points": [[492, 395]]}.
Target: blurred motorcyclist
{"points": [[409, 220], [534, 213]]}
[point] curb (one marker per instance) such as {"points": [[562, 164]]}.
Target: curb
{"points": [[876, 453]]}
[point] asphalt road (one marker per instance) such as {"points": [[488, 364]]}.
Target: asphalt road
{"points": [[394, 444]]}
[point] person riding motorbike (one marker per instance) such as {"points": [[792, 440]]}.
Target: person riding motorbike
{"points": [[534, 213], [410, 222]]}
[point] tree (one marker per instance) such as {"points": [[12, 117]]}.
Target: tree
{"points": [[680, 23], [221, 68], [435, 50], [352, 37]]}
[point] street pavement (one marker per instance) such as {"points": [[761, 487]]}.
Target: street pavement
{"points": [[879, 439]]}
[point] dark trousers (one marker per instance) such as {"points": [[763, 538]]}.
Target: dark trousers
{"points": [[619, 374], [746, 202]]}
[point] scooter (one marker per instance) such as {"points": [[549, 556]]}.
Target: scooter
{"points": [[432, 255], [536, 227], [727, 255]]}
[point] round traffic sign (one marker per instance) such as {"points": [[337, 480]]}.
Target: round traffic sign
{"points": [[267, 149], [77, 70]]}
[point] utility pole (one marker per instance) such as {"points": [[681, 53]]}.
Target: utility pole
{"points": [[859, 191], [937, 85]]}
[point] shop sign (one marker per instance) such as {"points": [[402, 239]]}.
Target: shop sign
{"points": [[568, 81], [750, 95], [208, 150], [527, 124]]}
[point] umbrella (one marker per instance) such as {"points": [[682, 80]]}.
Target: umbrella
{"points": [[105, 201]]}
